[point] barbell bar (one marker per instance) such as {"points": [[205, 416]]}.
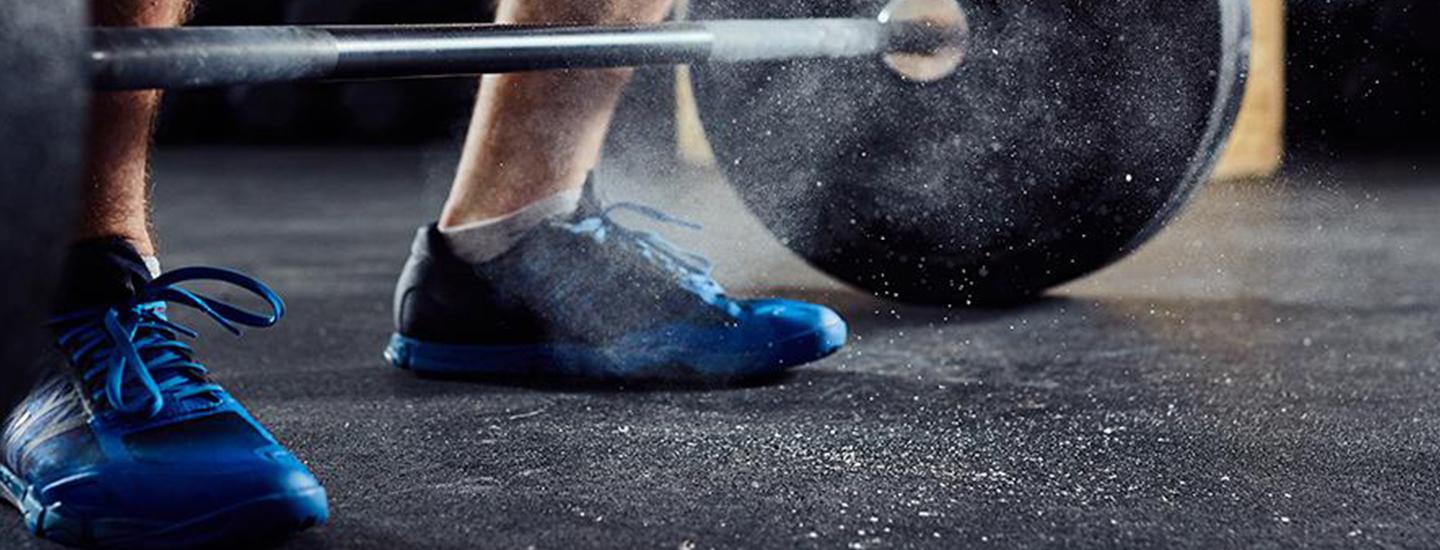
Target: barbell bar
{"points": [[177, 58]]}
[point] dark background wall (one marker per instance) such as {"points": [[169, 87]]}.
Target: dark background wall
{"points": [[1363, 77], [339, 113]]}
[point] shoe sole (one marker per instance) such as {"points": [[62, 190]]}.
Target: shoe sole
{"points": [[256, 521], [588, 362]]}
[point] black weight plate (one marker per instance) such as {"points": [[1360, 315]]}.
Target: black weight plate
{"points": [[1073, 130], [42, 109]]}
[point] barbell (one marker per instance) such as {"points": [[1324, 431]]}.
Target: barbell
{"points": [[194, 57], [969, 153]]}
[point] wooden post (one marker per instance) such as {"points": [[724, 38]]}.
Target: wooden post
{"points": [[1257, 145]]}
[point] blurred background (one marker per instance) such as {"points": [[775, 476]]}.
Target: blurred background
{"points": [[388, 113], [1360, 77], [1363, 75]]}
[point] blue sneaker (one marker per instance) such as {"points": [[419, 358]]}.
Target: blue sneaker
{"points": [[586, 297], [127, 444]]}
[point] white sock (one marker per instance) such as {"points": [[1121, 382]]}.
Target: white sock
{"points": [[152, 264], [485, 240]]}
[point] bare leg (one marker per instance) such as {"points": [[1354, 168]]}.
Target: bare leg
{"points": [[537, 134], [115, 199]]}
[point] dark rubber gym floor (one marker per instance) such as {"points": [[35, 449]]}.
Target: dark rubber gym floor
{"points": [[1263, 375]]}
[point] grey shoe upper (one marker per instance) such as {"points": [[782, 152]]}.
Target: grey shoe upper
{"points": [[563, 283]]}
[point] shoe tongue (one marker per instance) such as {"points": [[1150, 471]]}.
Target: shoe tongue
{"points": [[99, 273], [590, 205], [104, 272]]}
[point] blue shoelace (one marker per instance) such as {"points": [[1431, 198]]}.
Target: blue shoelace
{"points": [[133, 345], [692, 270]]}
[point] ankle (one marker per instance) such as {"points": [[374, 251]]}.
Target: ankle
{"points": [[480, 195], [482, 240], [102, 271], [463, 213], [137, 238], [142, 245]]}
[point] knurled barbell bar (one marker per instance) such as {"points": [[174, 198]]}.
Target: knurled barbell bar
{"points": [[132, 58]]}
